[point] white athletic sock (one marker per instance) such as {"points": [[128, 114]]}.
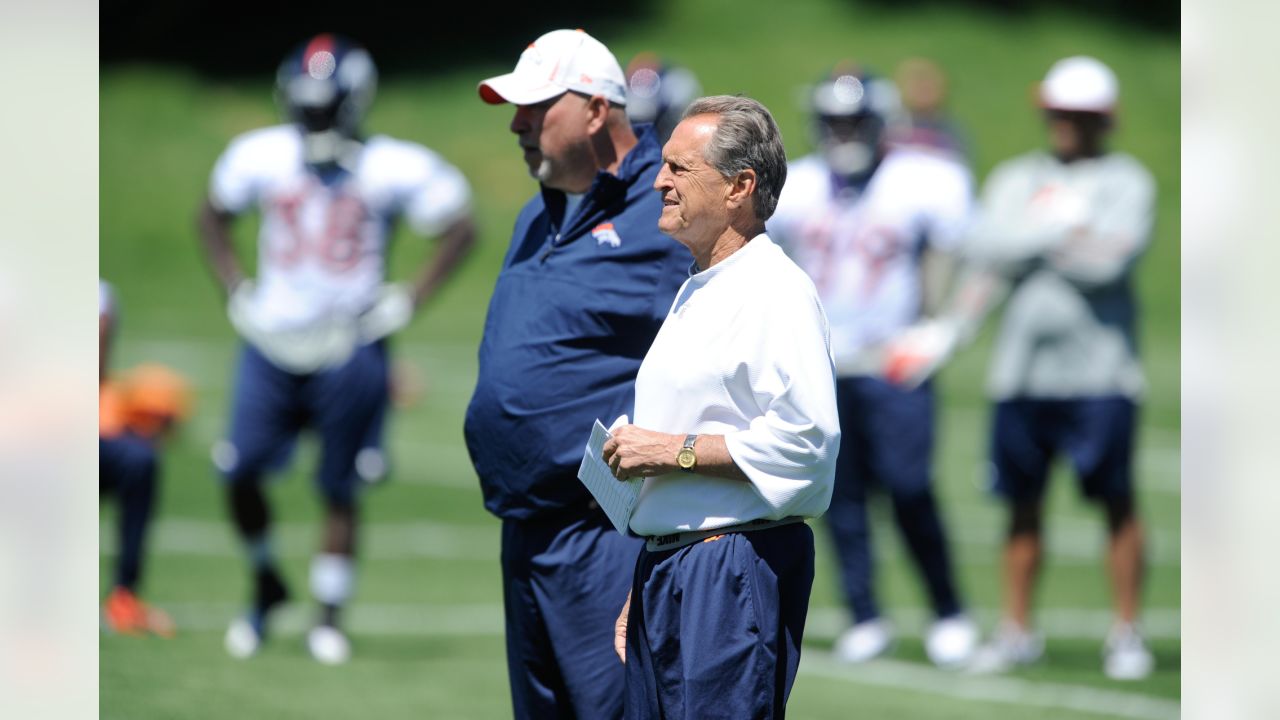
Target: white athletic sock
{"points": [[332, 578]]}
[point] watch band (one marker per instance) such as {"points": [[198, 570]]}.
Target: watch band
{"points": [[687, 458]]}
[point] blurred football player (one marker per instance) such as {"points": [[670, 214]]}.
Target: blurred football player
{"points": [[926, 123], [315, 321], [1059, 232], [128, 468], [864, 220], [658, 92]]}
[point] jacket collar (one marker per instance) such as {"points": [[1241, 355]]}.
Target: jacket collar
{"points": [[608, 191]]}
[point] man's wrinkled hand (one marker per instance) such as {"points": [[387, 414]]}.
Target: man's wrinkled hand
{"points": [[620, 631], [635, 452]]}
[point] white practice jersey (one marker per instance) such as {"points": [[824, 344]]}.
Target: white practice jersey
{"points": [[322, 243], [863, 249]]}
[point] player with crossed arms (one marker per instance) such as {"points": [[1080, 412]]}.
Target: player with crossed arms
{"points": [[1059, 233], [315, 320]]}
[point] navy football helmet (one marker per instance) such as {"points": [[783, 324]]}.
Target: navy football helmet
{"points": [[658, 92], [325, 87], [852, 110]]}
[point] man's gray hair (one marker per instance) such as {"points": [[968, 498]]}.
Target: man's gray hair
{"points": [[746, 137]]}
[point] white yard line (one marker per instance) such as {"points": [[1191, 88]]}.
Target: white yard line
{"points": [[379, 541], [824, 623], [413, 620], [361, 618], [1057, 622], [1005, 690], [1068, 542], [486, 619], [473, 542]]}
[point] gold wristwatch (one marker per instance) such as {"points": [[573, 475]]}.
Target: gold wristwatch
{"points": [[687, 458]]}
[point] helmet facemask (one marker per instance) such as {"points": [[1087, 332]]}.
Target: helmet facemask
{"points": [[850, 143]]}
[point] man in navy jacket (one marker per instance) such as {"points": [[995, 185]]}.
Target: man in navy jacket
{"points": [[583, 290]]}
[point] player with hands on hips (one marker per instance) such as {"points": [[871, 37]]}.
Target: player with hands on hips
{"points": [[315, 319], [877, 227]]}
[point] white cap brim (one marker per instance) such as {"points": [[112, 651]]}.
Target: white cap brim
{"points": [[517, 90], [1104, 106]]}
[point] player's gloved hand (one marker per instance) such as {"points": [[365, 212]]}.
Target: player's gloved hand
{"points": [[391, 313], [866, 361], [917, 353], [240, 309]]}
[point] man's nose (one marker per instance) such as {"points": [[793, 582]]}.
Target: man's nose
{"points": [[663, 181], [520, 120]]}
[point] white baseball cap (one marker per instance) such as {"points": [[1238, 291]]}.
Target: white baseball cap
{"points": [[559, 61], [1081, 84]]}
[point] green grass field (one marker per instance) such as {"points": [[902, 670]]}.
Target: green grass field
{"points": [[427, 622]]}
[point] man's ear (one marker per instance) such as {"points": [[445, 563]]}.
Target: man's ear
{"points": [[741, 186], [597, 112]]}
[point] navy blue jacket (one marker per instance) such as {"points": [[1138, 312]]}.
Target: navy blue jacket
{"points": [[576, 306]]}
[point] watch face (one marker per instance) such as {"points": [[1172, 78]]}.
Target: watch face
{"points": [[686, 458]]}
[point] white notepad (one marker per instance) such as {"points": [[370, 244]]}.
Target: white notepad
{"points": [[617, 497]]}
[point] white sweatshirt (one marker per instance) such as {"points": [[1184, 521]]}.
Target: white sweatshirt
{"points": [[1068, 236], [745, 352]]}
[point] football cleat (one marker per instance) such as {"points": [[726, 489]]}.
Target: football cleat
{"points": [[328, 645], [1125, 655], [1011, 647], [245, 634], [950, 642], [243, 639], [864, 641], [126, 614]]}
